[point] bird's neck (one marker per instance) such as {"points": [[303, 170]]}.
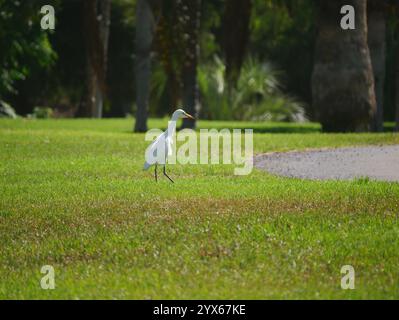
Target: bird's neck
{"points": [[171, 127]]}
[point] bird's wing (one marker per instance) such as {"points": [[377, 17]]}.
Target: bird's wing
{"points": [[169, 145], [156, 144], [155, 148]]}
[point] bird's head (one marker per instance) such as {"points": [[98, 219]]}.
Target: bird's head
{"points": [[180, 113]]}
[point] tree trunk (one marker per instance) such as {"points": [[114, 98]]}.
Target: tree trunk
{"points": [[97, 21], [342, 80], [236, 35], [191, 23], [397, 89], [168, 43], [145, 25], [377, 45], [396, 74]]}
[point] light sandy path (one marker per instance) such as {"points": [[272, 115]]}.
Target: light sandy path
{"points": [[375, 162]]}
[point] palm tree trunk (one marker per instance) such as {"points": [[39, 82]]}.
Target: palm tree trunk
{"points": [[145, 24], [397, 89], [342, 80], [236, 36], [396, 74], [191, 24], [377, 45], [168, 42], [97, 21]]}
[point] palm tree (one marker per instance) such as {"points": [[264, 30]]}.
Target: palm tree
{"points": [[145, 26], [236, 36], [169, 37], [377, 45], [397, 89], [395, 7], [342, 80], [190, 25], [97, 21]]}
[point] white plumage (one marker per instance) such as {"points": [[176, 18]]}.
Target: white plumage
{"points": [[159, 150]]}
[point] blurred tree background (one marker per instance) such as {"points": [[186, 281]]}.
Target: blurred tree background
{"points": [[220, 59]]}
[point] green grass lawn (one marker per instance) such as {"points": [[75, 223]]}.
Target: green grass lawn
{"points": [[73, 195]]}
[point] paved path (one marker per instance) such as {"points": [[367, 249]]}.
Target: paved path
{"points": [[375, 162]]}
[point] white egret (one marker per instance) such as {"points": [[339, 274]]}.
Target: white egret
{"points": [[159, 150]]}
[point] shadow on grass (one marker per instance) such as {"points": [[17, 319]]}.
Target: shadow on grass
{"points": [[257, 127], [286, 129], [265, 127], [389, 126], [281, 129]]}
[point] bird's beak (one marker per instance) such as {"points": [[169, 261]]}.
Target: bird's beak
{"points": [[189, 116]]}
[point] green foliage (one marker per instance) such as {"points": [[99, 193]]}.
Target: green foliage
{"points": [[49, 67], [42, 113], [214, 99], [23, 44], [258, 95], [283, 31], [159, 95], [211, 28]]}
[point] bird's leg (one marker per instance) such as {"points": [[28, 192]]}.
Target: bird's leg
{"points": [[155, 173], [164, 172]]}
